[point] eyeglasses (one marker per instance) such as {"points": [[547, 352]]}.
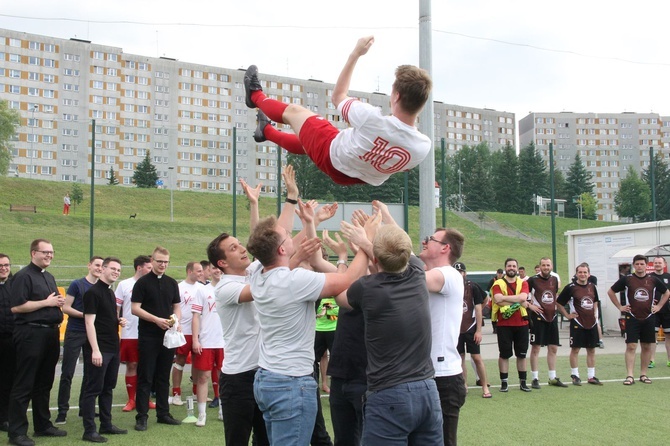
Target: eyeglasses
{"points": [[5, 265], [162, 262], [430, 238], [46, 253]]}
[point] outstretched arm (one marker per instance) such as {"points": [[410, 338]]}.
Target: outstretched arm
{"points": [[252, 196], [286, 217], [342, 86]]}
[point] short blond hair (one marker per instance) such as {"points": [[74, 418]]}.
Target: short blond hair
{"points": [[392, 248]]}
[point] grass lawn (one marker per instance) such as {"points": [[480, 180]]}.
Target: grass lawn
{"points": [[611, 414]]}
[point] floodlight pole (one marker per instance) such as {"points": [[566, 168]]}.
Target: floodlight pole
{"points": [[427, 127]]}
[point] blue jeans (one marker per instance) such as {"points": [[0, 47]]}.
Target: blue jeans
{"points": [[346, 410], [288, 404], [405, 414]]}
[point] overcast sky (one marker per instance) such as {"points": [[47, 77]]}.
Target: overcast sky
{"points": [[517, 56]]}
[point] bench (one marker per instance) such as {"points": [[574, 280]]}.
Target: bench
{"points": [[22, 208]]}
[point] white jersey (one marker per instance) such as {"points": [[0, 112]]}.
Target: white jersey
{"points": [[123, 293], [187, 293], [211, 335], [446, 312], [285, 300], [239, 321], [375, 146]]}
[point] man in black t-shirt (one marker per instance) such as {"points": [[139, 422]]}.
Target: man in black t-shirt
{"points": [[663, 316], [101, 352], [639, 309]]}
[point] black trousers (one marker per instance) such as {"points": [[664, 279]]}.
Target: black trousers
{"points": [[320, 435], [7, 369], [452, 398], [154, 367], [346, 410], [72, 346], [99, 383], [241, 415], [37, 352]]}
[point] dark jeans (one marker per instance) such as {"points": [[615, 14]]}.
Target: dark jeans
{"points": [[72, 345], [153, 367], [37, 351], [7, 369], [452, 398], [346, 410], [100, 383], [320, 435], [241, 414]]}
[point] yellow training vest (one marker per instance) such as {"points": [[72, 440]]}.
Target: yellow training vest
{"points": [[495, 308]]}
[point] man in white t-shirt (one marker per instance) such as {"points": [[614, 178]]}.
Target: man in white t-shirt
{"points": [[445, 284], [284, 300], [374, 146], [129, 349], [207, 345], [188, 288]]}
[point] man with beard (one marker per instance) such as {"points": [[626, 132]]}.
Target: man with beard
{"points": [[544, 329], [509, 310], [663, 316], [639, 308]]}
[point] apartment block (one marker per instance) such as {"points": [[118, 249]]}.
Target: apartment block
{"points": [[607, 143], [87, 108]]}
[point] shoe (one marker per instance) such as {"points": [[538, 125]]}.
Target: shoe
{"points": [[202, 419], [51, 432], [113, 430], [601, 344], [176, 400], [141, 425], [478, 383], [94, 438], [21, 440], [524, 387], [652, 364], [60, 419], [152, 405], [535, 384], [168, 419], [668, 363], [575, 380], [214, 403], [503, 386], [129, 407], [595, 381], [220, 416], [251, 83], [557, 382], [4, 426], [263, 121]]}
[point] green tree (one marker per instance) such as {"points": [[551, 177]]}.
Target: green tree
{"points": [[634, 198], [474, 164], [9, 121], [589, 206], [533, 178], [578, 181], [145, 175], [113, 181], [76, 195], [505, 178], [662, 187]]}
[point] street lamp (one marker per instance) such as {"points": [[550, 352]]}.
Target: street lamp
{"points": [[32, 141], [171, 194]]}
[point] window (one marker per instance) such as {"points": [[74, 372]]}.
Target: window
{"points": [[17, 43], [98, 55], [32, 60]]}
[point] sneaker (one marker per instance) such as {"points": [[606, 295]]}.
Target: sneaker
{"points": [[251, 83], [202, 419], [575, 380], [524, 387], [220, 415], [176, 400], [503, 386], [601, 344], [478, 383], [263, 121], [557, 382], [214, 404], [60, 419], [668, 363], [652, 364], [535, 384], [129, 407], [595, 381]]}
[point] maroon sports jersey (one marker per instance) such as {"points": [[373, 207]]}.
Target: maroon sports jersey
{"points": [[473, 295], [639, 293], [543, 291], [583, 301]]}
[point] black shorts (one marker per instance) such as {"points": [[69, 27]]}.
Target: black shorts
{"points": [[466, 341], [516, 337], [663, 320], [544, 333], [583, 337], [642, 331]]}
